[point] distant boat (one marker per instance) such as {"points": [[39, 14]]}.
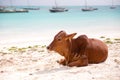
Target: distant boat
{"points": [[29, 7], [88, 8], [32, 8], [112, 7], [21, 10], [57, 9], [11, 9]]}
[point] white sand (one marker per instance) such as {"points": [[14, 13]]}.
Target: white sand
{"points": [[36, 63]]}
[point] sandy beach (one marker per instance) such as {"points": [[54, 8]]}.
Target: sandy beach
{"points": [[25, 36], [34, 62]]}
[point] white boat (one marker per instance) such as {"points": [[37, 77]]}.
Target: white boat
{"points": [[12, 9], [21, 10], [113, 6], [29, 7], [57, 9], [88, 8]]}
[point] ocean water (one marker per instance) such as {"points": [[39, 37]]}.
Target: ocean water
{"points": [[43, 23]]}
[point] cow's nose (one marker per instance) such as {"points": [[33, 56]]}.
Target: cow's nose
{"points": [[48, 47]]}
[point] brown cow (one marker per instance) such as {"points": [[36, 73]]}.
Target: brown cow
{"points": [[79, 51]]}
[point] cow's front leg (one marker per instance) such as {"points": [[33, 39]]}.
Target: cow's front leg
{"points": [[62, 61], [82, 61]]}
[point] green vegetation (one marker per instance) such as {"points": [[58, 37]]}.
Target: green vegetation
{"points": [[37, 48], [108, 42], [29, 46], [102, 37], [117, 39], [107, 38], [43, 46], [111, 41], [22, 50], [13, 49]]}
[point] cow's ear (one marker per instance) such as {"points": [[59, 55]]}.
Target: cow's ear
{"points": [[70, 36]]}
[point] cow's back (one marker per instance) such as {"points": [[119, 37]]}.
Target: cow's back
{"points": [[97, 51]]}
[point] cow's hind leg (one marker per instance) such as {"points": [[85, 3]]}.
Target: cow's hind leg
{"points": [[82, 61]]}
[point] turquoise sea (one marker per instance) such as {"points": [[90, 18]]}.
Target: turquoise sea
{"points": [[43, 22]]}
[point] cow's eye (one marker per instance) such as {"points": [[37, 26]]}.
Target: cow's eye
{"points": [[59, 39]]}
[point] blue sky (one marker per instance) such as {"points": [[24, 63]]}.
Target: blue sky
{"points": [[60, 2]]}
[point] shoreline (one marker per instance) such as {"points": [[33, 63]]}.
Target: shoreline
{"points": [[43, 38]]}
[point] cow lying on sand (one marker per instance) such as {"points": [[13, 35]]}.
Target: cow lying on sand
{"points": [[78, 51]]}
